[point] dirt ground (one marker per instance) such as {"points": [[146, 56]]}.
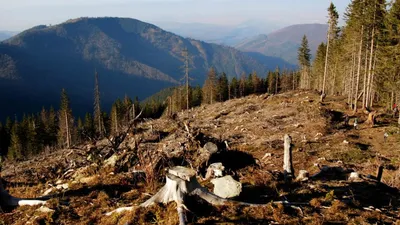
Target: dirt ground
{"points": [[249, 133]]}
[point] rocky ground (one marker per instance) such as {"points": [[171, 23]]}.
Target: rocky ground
{"points": [[88, 181]]}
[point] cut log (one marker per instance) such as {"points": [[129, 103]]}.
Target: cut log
{"points": [[11, 201], [288, 170]]}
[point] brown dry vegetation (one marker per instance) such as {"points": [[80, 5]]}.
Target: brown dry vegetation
{"points": [[252, 127]]}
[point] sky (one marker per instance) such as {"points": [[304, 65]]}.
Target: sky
{"points": [[18, 15]]}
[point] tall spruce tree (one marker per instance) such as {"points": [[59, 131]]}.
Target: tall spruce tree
{"points": [[65, 122], [304, 58], [210, 87], [331, 36]]}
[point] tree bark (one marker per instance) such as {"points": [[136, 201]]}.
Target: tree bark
{"points": [[359, 68], [326, 58], [288, 170], [370, 67], [365, 77]]}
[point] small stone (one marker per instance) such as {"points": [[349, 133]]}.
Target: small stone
{"points": [[354, 176], [112, 161], [226, 187], [211, 147], [303, 175], [345, 142]]}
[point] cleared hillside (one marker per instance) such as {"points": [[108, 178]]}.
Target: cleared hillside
{"points": [[253, 128]]}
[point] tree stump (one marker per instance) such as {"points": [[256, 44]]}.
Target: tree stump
{"points": [[180, 182], [379, 173], [371, 118], [288, 170]]}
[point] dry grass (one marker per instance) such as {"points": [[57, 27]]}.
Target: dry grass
{"points": [[254, 126]]}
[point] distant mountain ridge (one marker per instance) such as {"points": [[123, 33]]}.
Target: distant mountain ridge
{"points": [[132, 57], [229, 35], [284, 43], [6, 34]]}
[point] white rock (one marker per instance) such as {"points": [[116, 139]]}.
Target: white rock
{"points": [[354, 176], [345, 142], [226, 187], [303, 175], [210, 147]]}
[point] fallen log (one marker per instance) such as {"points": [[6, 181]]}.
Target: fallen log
{"points": [[8, 200]]}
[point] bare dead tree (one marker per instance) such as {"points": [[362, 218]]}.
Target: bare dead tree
{"points": [[120, 137]]}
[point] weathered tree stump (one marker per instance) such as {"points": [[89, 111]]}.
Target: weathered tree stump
{"points": [[322, 97], [379, 173], [288, 170], [180, 182], [371, 118]]}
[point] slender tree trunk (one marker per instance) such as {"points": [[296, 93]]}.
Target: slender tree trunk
{"points": [[351, 83], [371, 83], [116, 121], [365, 77], [391, 99], [67, 129], [359, 69], [370, 66], [326, 59], [334, 79]]}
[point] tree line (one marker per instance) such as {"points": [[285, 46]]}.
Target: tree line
{"points": [[360, 60], [50, 129], [218, 88]]}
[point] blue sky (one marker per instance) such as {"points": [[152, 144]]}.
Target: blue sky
{"points": [[17, 15]]}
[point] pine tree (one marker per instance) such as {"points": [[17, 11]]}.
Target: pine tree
{"points": [[65, 122], [318, 68], [256, 83], [196, 98], [242, 85], [210, 87], [304, 58], [331, 36], [15, 149], [234, 87], [222, 88]]}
